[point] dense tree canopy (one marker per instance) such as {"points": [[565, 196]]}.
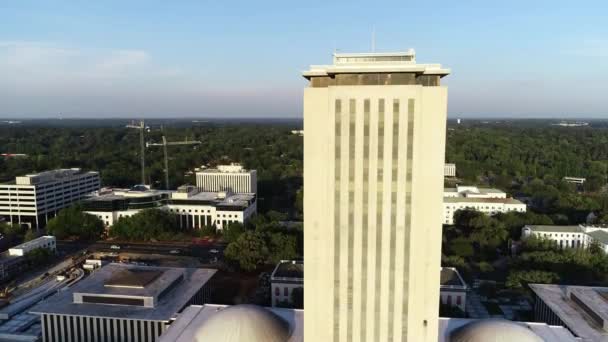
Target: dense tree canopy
{"points": [[270, 148], [73, 222], [146, 225], [262, 242], [531, 159]]}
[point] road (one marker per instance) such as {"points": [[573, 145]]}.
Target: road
{"points": [[176, 249]]}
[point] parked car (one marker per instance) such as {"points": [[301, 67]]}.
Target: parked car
{"points": [[175, 251], [214, 251], [115, 247]]}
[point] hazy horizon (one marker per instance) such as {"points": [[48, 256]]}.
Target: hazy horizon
{"points": [[194, 59]]}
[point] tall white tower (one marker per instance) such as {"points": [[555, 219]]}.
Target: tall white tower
{"points": [[373, 188]]}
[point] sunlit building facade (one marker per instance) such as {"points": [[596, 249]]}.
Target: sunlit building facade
{"points": [[373, 168]]}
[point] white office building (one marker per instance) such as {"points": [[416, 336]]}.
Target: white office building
{"points": [[449, 170], [488, 201], [580, 236], [121, 302], [47, 242], [35, 198], [453, 289], [575, 180], [233, 178], [373, 166], [287, 276], [194, 209]]}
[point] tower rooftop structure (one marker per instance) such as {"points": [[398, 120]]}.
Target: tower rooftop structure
{"points": [[375, 62]]}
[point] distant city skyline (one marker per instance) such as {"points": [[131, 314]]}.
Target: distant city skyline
{"points": [[140, 59]]}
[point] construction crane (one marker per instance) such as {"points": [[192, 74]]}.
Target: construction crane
{"points": [[164, 144], [141, 127]]}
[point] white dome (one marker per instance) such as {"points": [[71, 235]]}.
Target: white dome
{"points": [[494, 330], [244, 323]]}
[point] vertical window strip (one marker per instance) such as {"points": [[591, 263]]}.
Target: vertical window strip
{"points": [[408, 210], [379, 192], [364, 234], [394, 183], [351, 219], [337, 161]]}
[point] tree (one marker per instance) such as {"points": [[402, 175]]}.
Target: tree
{"points": [[39, 257], [275, 216], [30, 235], [282, 247], [232, 232], [73, 222], [146, 225], [208, 231], [11, 231], [250, 251], [462, 247], [520, 279]]}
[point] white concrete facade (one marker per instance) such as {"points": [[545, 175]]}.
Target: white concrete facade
{"points": [[373, 167], [487, 201], [47, 242], [34, 199], [449, 170], [287, 276], [575, 180], [193, 209], [453, 289], [580, 236], [231, 177]]}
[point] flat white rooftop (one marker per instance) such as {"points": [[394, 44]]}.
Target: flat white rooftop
{"points": [[108, 281]]}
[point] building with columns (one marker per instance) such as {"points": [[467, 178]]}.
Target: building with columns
{"points": [[193, 208], [449, 170], [485, 200], [122, 302], [373, 167], [35, 198], [575, 236]]}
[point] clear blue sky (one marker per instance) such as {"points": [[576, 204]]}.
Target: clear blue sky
{"points": [[244, 58]]}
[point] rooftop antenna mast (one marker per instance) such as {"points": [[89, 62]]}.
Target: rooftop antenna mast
{"points": [[164, 144], [141, 127]]}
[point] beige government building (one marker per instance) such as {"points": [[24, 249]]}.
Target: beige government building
{"points": [[373, 168]]}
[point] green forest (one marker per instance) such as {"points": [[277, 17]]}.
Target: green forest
{"points": [[526, 160], [271, 149]]}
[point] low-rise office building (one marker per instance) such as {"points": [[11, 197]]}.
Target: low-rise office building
{"points": [[575, 236], [575, 180], [35, 198], [46, 242], [222, 323], [287, 276], [453, 289], [488, 201], [122, 303], [233, 178], [195, 209], [13, 262], [581, 309]]}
